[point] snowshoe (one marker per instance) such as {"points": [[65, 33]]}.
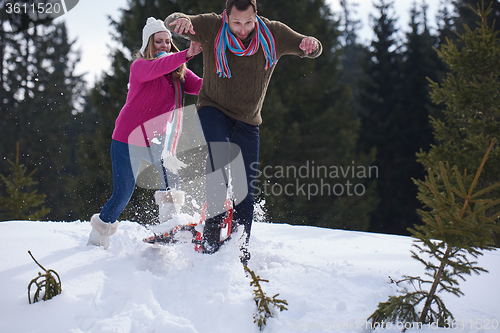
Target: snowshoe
{"points": [[193, 232], [177, 234]]}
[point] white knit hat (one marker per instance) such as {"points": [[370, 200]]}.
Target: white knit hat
{"points": [[152, 26]]}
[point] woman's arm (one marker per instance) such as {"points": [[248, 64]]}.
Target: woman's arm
{"points": [[192, 83], [143, 70]]}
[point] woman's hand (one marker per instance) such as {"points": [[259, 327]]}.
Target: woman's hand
{"points": [[194, 49]]}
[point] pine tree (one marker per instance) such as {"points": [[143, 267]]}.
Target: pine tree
{"points": [[410, 121], [382, 117], [20, 201], [459, 221], [470, 93], [420, 63], [38, 108], [465, 13], [353, 53], [265, 304], [461, 204], [444, 21]]}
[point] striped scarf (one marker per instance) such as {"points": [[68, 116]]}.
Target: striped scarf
{"points": [[173, 139], [170, 161], [226, 39]]}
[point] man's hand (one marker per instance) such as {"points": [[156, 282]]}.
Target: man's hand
{"points": [[183, 25], [194, 49], [308, 44]]}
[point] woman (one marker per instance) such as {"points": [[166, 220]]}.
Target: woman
{"points": [[157, 78]]}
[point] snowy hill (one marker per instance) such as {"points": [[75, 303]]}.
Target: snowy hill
{"points": [[332, 280]]}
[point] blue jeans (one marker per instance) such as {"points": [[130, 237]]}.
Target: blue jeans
{"points": [[219, 128], [126, 160]]}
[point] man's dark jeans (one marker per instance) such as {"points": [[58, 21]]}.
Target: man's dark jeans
{"points": [[219, 128]]}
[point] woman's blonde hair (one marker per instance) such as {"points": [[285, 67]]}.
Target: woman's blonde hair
{"points": [[149, 54]]}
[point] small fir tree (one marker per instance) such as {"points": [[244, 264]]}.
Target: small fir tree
{"points": [[263, 302], [471, 95], [19, 202], [460, 212], [459, 221]]}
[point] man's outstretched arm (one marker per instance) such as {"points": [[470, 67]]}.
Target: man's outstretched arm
{"points": [[180, 24], [192, 27], [291, 42]]}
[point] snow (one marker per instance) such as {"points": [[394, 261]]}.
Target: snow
{"points": [[332, 280]]}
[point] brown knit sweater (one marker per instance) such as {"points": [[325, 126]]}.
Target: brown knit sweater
{"points": [[241, 96]]}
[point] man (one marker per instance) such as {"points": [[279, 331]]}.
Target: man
{"points": [[240, 52]]}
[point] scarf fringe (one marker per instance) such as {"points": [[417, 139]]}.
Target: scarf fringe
{"points": [[170, 160]]}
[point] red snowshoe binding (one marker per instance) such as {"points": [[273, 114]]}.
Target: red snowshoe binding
{"points": [[173, 236]]}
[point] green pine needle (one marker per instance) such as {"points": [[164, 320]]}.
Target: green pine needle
{"points": [[264, 303]]}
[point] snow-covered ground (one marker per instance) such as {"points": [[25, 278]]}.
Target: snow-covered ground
{"points": [[332, 280]]}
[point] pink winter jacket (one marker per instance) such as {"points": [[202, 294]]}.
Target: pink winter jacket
{"points": [[151, 98]]}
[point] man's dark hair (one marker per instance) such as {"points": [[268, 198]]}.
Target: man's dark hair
{"points": [[240, 5]]}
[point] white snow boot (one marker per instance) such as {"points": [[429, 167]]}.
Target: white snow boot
{"points": [[169, 203], [101, 231]]}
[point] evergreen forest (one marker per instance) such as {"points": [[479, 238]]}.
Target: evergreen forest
{"points": [[340, 134]]}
